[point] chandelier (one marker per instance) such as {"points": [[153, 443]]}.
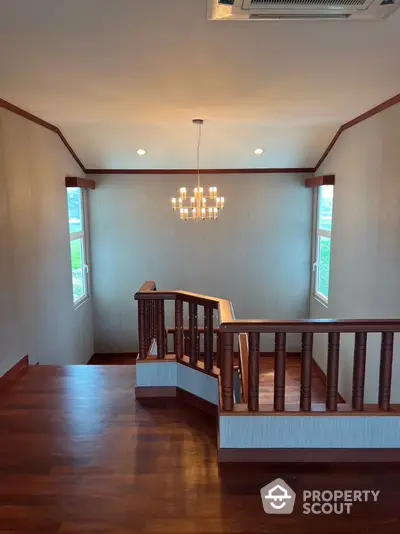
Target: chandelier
{"points": [[199, 207]]}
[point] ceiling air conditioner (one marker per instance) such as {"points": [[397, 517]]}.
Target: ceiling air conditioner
{"points": [[301, 9]]}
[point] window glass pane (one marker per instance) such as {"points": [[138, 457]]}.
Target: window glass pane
{"points": [[78, 268], [75, 215], [324, 258], [325, 204]]}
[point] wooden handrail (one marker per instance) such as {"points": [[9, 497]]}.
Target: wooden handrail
{"points": [[316, 326], [224, 307], [148, 286], [228, 323], [151, 300]]}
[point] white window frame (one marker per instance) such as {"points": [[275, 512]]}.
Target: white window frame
{"points": [[84, 236], [317, 234]]}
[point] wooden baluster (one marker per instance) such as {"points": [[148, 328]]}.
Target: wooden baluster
{"points": [[219, 350], [152, 319], [227, 371], [142, 330], [147, 317], [332, 375], [306, 371], [145, 324], [385, 372], [193, 333], [149, 321], [254, 371], [178, 337], [160, 331], [187, 343], [198, 345], [280, 371], [360, 352], [150, 324], [208, 338]]}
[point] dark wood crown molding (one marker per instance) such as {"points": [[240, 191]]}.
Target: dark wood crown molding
{"points": [[83, 183], [370, 113], [287, 170], [30, 117], [364, 116]]}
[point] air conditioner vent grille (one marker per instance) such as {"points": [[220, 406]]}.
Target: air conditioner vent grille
{"points": [[309, 16], [314, 3]]}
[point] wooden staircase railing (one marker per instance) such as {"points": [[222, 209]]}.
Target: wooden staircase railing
{"points": [[151, 320], [307, 328]]}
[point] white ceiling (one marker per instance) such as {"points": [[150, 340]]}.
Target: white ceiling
{"points": [[124, 74]]}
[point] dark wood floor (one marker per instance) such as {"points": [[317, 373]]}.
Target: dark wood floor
{"points": [[79, 455]]}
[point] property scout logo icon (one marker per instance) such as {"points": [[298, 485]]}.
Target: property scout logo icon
{"points": [[279, 498]]}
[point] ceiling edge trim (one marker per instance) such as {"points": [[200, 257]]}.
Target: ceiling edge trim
{"points": [[364, 116], [30, 117], [268, 170], [370, 113]]}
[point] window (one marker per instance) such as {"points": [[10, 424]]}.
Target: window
{"points": [[76, 217], [322, 249]]}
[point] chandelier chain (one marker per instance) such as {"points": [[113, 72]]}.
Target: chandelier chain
{"points": [[198, 153]]}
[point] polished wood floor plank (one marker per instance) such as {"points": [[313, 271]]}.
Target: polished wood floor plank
{"points": [[79, 455]]}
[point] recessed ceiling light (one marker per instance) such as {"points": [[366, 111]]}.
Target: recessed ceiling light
{"points": [[141, 151], [258, 151]]}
